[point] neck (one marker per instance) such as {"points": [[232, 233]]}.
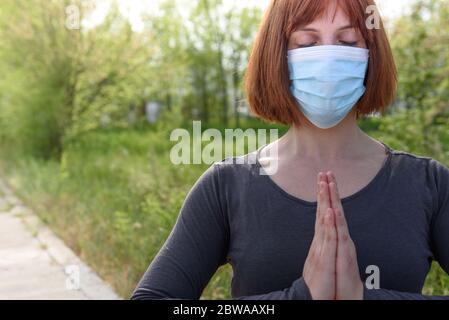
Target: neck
{"points": [[342, 141]]}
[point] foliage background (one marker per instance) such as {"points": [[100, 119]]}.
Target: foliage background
{"points": [[75, 145]]}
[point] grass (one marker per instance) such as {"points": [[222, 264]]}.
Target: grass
{"points": [[114, 198]]}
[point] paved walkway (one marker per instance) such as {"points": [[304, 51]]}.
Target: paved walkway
{"points": [[37, 265]]}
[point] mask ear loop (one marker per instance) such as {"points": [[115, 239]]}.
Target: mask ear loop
{"points": [[359, 115]]}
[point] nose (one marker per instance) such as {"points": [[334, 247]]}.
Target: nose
{"points": [[328, 40]]}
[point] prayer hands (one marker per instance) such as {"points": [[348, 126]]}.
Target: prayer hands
{"points": [[331, 270]]}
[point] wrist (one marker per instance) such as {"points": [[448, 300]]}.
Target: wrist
{"points": [[360, 291]]}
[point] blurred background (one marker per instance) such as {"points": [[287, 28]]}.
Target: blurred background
{"points": [[91, 90]]}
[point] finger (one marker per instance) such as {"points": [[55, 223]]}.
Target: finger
{"points": [[325, 201], [346, 250], [328, 254], [322, 205], [340, 219], [342, 226], [319, 232], [319, 220], [321, 178], [329, 247], [331, 176], [334, 192], [318, 190]]}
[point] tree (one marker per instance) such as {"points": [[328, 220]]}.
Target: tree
{"points": [[64, 78], [420, 40]]}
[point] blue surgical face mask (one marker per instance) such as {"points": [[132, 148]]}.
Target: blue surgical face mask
{"points": [[327, 81]]}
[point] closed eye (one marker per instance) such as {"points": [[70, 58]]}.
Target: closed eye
{"points": [[351, 44], [307, 45]]}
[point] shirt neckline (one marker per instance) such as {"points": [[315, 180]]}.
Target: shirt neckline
{"points": [[385, 167]]}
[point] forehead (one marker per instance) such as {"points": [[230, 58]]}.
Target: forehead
{"points": [[334, 14], [313, 12]]}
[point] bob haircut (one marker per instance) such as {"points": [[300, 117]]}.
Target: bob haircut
{"points": [[267, 81]]}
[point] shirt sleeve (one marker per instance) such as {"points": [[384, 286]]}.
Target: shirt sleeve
{"points": [[440, 221], [439, 234], [383, 294], [196, 247]]}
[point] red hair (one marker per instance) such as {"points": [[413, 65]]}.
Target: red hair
{"points": [[267, 78]]}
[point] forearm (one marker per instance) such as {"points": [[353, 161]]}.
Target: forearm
{"points": [[383, 294], [298, 291]]}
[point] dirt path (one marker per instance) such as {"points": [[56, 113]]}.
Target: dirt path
{"points": [[36, 264]]}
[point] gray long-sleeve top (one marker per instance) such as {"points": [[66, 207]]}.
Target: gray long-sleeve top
{"points": [[399, 223]]}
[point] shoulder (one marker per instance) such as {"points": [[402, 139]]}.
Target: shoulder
{"points": [[434, 171], [227, 180], [410, 160], [231, 175], [237, 168], [414, 164]]}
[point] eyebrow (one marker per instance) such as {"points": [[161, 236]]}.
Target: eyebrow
{"points": [[345, 28], [315, 30]]}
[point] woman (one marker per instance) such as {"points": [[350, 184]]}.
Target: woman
{"points": [[343, 216]]}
